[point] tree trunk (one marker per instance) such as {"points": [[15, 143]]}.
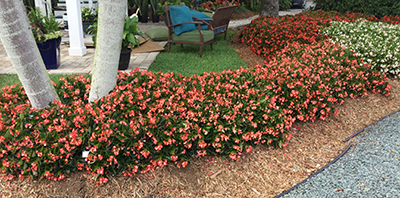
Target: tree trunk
{"points": [[18, 41], [111, 19], [270, 8]]}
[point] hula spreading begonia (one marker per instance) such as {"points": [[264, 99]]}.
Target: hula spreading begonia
{"points": [[150, 120]]}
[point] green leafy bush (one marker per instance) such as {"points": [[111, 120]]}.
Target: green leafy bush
{"points": [[131, 30], [240, 9], [163, 3], [379, 8], [43, 27], [285, 4], [89, 15]]}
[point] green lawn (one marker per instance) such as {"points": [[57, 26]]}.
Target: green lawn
{"points": [[186, 60], [11, 79]]}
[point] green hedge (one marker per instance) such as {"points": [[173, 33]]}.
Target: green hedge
{"points": [[379, 8], [285, 4]]}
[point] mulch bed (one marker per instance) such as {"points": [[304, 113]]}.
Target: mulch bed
{"points": [[243, 15]]}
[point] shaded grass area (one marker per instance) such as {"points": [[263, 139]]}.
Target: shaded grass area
{"points": [[186, 60], [11, 79]]}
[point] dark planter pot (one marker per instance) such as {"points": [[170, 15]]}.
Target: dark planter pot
{"points": [[155, 18], [85, 26], [50, 51], [165, 19], [124, 59], [144, 18]]}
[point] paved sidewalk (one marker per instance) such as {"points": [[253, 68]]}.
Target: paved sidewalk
{"points": [[84, 64]]}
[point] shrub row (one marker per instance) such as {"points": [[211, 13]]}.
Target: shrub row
{"points": [[285, 4], [379, 8]]}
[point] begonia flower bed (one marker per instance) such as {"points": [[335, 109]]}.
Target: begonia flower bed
{"points": [[377, 43], [268, 35], [150, 120]]}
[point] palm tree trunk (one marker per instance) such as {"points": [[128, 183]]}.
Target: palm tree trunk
{"points": [[111, 19], [18, 41]]}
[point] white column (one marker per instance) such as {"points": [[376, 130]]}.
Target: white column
{"points": [[76, 43], [91, 4], [49, 8], [42, 4]]}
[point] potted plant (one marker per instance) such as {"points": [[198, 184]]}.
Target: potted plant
{"points": [[130, 38], [89, 16], [143, 6], [154, 7], [47, 35]]}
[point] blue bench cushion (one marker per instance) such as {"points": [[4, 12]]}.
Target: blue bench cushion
{"points": [[200, 15]]}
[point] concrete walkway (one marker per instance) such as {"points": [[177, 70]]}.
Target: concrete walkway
{"points": [[84, 64]]}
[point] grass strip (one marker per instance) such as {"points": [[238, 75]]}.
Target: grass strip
{"points": [[186, 60]]}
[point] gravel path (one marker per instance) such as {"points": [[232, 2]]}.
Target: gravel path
{"points": [[370, 168]]}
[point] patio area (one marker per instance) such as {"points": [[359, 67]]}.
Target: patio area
{"points": [[84, 64]]}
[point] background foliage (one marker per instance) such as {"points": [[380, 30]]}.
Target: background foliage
{"points": [[379, 8]]}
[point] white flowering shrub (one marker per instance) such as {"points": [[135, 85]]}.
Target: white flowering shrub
{"points": [[376, 42]]}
